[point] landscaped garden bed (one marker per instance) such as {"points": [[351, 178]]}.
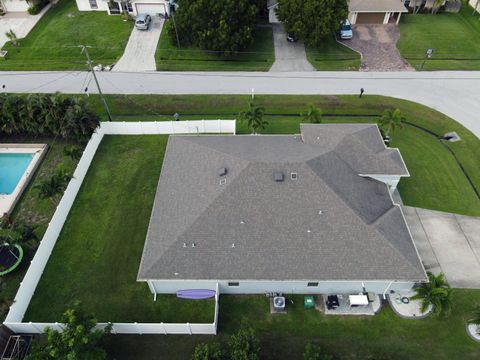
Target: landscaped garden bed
{"points": [[53, 44], [453, 37]]}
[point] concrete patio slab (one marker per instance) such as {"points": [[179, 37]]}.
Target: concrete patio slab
{"points": [[447, 243], [20, 22]]}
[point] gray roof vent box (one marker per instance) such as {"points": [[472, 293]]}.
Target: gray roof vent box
{"points": [[278, 176], [222, 171]]}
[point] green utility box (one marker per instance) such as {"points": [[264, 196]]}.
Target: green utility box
{"points": [[309, 302]]}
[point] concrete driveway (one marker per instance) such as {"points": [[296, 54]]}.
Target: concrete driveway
{"points": [[20, 22], [447, 243], [139, 54], [377, 44], [288, 56]]}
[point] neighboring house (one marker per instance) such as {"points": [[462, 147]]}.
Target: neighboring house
{"points": [[14, 5], [309, 213], [133, 7], [376, 11]]}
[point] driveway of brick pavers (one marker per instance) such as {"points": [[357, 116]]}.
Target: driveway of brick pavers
{"points": [[377, 44]]}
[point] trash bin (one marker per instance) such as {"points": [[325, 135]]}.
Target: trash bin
{"points": [[309, 302]]}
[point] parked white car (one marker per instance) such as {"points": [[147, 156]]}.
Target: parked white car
{"points": [[142, 22], [346, 31]]}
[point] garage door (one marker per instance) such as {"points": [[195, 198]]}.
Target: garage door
{"points": [[370, 18], [151, 8]]}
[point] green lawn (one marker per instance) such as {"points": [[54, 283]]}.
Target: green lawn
{"points": [[258, 57], [97, 256], [332, 56], [436, 180], [455, 39], [53, 43], [383, 336]]}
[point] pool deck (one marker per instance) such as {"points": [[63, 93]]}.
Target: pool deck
{"points": [[7, 202]]}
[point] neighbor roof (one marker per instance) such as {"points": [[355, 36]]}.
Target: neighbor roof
{"points": [[377, 6], [328, 224]]}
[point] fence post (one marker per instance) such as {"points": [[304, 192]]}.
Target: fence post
{"points": [[219, 125], [139, 331], [189, 328], [164, 329], [188, 127]]}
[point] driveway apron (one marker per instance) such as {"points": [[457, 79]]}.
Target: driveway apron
{"points": [[139, 54], [447, 243], [377, 44], [288, 56]]}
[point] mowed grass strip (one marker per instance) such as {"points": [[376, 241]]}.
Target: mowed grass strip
{"points": [[53, 42], [456, 46], [98, 253], [333, 56], [383, 336], [436, 181], [258, 57]]}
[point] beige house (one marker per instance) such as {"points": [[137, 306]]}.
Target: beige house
{"points": [[375, 11]]}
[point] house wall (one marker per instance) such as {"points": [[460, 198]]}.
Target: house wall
{"points": [[84, 5], [286, 287], [15, 5]]}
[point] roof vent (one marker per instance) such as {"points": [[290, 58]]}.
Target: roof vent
{"points": [[309, 231], [223, 181], [320, 212], [293, 176], [184, 245], [278, 176], [233, 245], [222, 171], [193, 245]]}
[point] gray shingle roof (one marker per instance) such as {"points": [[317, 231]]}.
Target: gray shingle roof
{"points": [[329, 224]]}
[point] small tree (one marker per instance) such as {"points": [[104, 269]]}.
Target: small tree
{"points": [[244, 345], [475, 320], [435, 292], [78, 341], [204, 351], [73, 151], [391, 119], [313, 352], [10, 34], [312, 114], [254, 117], [55, 185]]}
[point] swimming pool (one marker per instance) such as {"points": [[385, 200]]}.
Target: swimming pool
{"points": [[12, 168]]}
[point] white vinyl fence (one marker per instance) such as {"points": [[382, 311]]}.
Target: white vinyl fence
{"points": [[32, 277]]}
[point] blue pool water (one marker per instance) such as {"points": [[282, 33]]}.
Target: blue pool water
{"points": [[12, 167]]}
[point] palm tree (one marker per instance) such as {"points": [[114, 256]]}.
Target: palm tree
{"points": [[73, 151], [254, 117], [475, 320], [391, 119], [312, 114], [52, 187], [436, 292]]}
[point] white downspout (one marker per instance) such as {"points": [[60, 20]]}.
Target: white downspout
{"points": [[386, 289]]}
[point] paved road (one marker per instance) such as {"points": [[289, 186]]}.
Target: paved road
{"points": [[288, 56], [454, 93], [447, 243], [139, 54]]}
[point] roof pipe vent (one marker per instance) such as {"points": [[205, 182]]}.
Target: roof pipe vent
{"points": [[222, 171], [278, 176]]}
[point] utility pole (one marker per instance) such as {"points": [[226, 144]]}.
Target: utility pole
{"points": [[89, 62]]}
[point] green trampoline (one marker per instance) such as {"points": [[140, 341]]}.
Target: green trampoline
{"points": [[10, 257]]}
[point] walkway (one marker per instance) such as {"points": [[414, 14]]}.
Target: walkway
{"points": [[139, 54], [20, 22], [288, 56], [447, 243], [377, 44], [455, 93]]}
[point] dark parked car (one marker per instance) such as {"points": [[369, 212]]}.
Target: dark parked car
{"points": [[291, 37]]}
